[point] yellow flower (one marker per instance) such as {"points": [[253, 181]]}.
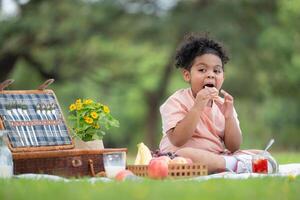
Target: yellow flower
{"points": [[78, 106], [94, 115], [78, 101], [88, 120], [87, 101], [106, 109], [96, 126], [72, 107]]}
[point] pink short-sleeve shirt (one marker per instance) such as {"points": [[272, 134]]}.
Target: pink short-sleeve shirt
{"points": [[209, 132]]}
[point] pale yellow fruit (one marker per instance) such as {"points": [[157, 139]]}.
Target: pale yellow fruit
{"points": [[178, 160]]}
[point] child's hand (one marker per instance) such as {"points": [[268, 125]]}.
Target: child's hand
{"points": [[204, 96], [228, 105]]}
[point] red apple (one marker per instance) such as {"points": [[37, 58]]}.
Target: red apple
{"points": [[121, 176], [158, 168]]}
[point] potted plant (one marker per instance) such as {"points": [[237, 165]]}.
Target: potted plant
{"points": [[89, 121]]}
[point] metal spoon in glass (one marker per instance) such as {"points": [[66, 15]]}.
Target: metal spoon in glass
{"points": [[268, 146]]}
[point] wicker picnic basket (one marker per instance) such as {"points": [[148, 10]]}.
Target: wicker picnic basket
{"points": [[39, 138], [175, 170]]}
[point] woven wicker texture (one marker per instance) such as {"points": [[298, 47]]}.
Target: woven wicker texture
{"points": [[175, 170], [66, 163], [68, 166]]}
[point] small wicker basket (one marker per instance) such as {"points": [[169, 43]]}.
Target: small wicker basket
{"points": [[175, 170]]}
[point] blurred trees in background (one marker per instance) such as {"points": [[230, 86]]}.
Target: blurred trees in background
{"points": [[121, 53]]}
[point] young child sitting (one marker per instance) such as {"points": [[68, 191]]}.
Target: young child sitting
{"points": [[199, 124]]}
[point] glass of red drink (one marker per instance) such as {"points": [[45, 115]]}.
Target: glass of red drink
{"points": [[259, 164]]}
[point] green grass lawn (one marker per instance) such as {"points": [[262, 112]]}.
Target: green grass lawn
{"points": [[287, 157], [255, 188]]}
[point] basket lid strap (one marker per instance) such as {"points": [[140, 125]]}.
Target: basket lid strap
{"points": [[6, 83], [46, 84]]}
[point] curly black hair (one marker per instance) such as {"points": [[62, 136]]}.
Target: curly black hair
{"points": [[197, 44]]}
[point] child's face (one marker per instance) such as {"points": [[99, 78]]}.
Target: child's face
{"points": [[206, 70]]}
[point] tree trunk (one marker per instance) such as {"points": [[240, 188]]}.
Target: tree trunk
{"points": [[153, 100], [152, 121], [7, 63]]}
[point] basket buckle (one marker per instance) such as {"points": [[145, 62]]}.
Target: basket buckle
{"points": [[76, 162]]}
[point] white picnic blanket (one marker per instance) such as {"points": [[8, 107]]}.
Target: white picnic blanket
{"points": [[292, 169]]}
